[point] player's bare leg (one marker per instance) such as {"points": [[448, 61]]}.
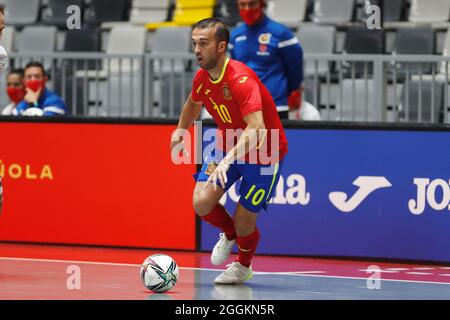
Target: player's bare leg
{"points": [[244, 221], [207, 206], [247, 237], [206, 198]]}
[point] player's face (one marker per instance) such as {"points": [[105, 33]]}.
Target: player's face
{"points": [[206, 48]]}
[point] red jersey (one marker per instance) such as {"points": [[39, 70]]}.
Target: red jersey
{"points": [[237, 93]]}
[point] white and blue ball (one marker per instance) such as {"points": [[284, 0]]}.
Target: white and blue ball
{"points": [[159, 273]]}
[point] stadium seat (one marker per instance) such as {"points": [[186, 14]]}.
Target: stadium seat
{"points": [[333, 11], [429, 11], [414, 41], [192, 4], [189, 16], [360, 40], [392, 9], [21, 12], [101, 11], [446, 53], [439, 72], [288, 12], [317, 40], [56, 11], [187, 13], [143, 16], [167, 40], [357, 102], [126, 40], [37, 39], [8, 41], [85, 40], [171, 73], [145, 11], [412, 104], [227, 11], [120, 92], [150, 4], [123, 40]]}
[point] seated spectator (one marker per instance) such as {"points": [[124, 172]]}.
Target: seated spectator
{"points": [[38, 100], [15, 90]]}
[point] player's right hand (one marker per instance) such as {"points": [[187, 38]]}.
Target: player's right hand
{"points": [[176, 139]]}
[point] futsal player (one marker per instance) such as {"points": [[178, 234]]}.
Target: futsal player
{"points": [[236, 98]]}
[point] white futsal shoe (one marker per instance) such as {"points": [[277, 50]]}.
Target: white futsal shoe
{"points": [[235, 274], [222, 250]]}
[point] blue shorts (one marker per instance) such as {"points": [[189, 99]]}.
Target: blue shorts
{"points": [[258, 181]]}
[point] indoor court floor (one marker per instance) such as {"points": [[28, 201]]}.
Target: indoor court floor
{"points": [[30, 271]]}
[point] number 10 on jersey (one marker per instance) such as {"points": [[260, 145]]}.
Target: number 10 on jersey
{"points": [[222, 111]]}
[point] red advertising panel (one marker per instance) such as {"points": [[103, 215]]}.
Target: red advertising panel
{"points": [[96, 184]]}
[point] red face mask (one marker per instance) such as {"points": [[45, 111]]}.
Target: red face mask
{"points": [[251, 16], [35, 85], [15, 94]]}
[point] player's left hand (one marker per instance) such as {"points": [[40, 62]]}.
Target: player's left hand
{"points": [[295, 99], [220, 173]]}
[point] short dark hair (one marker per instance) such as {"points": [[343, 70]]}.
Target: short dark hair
{"points": [[222, 32], [2, 8], [18, 71], [263, 3], [32, 64]]}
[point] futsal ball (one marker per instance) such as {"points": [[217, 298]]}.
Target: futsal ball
{"points": [[159, 273]]}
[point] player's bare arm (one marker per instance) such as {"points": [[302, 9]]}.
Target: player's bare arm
{"points": [[252, 137], [191, 111]]}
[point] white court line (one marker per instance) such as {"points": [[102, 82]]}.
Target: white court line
{"points": [[71, 261], [424, 268], [445, 275], [397, 269], [309, 272], [373, 271], [419, 273], [209, 269]]}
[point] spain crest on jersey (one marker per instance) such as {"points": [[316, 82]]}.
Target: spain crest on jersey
{"points": [[226, 92], [211, 167]]}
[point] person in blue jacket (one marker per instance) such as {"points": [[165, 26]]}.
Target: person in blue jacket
{"points": [[272, 51], [38, 100]]}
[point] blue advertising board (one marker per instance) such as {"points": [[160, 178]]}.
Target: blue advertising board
{"points": [[357, 193]]}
